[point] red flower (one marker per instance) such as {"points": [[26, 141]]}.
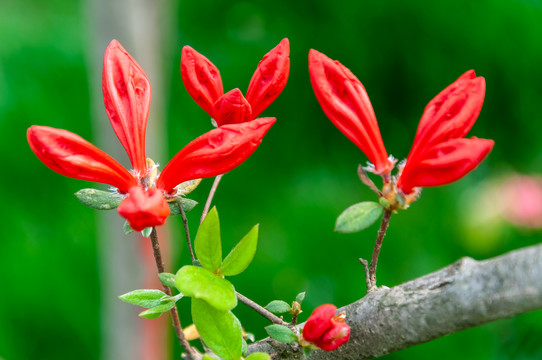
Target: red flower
{"points": [[344, 100], [127, 99], [440, 155], [204, 84], [326, 330]]}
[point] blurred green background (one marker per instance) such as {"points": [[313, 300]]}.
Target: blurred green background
{"points": [[302, 176]]}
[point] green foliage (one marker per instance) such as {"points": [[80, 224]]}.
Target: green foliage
{"points": [[145, 297], [300, 297], [200, 283], [98, 199], [278, 307], [187, 204], [207, 244], [281, 333], [358, 217], [146, 232], [167, 279], [156, 311], [241, 255], [220, 330], [258, 356]]}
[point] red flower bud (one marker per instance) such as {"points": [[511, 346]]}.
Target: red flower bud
{"points": [[232, 108], [201, 78], [345, 102], [270, 78], [127, 98], [325, 330], [144, 208], [70, 155]]}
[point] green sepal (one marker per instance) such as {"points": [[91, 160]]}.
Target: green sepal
{"points": [[99, 199], [200, 283], [258, 356], [188, 205], [207, 244], [358, 217], [167, 279], [148, 298], [278, 307], [156, 311], [281, 333], [146, 232], [220, 330], [241, 255]]}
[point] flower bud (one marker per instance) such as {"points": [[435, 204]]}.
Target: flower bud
{"points": [[144, 208]]}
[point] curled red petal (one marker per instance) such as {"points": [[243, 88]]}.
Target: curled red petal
{"points": [[319, 322], [452, 113], [232, 108], [337, 335], [215, 152], [444, 163], [127, 98], [344, 100], [70, 155], [270, 78], [201, 79], [144, 208]]}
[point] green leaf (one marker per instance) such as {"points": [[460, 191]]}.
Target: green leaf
{"points": [[244, 347], [188, 204], [187, 186], [127, 229], [306, 352], [167, 279], [207, 357], [202, 284], [145, 297], [156, 311], [258, 356], [146, 232], [300, 297], [241, 255], [278, 307], [358, 217], [98, 199], [220, 330], [281, 333], [207, 244]]}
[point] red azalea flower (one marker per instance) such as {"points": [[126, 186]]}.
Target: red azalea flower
{"points": [[204, 84], [326, 330], [127, 99]]}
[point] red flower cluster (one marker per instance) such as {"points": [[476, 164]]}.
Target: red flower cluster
{"points": [[127, 95], [326, 330], [440, 154], [204, 84]]}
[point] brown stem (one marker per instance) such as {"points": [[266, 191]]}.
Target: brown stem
{"points": [[174, 313], [210, 198], [186, 230], [260, 310], [365, 264], [367, 180], [378, 245]]}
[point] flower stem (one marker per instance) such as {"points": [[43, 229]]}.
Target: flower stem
{"points": [[376, 251], [174, 313], [186, 229], [260, 310], [210, 198]]}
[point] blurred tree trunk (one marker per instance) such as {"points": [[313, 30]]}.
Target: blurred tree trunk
{"points": [[141, 26]]}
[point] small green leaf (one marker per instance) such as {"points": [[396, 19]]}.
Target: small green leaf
{"points": [[306, 352], [167, 279], [156, 311], [207, 357], [258, 356], [207, 244], [145, 297], [281, 333], [146, 232], [358, 217], [98, 199], [187, 186], [220, 330], [241, 255], [200, 283], [244, 347], [188, 204], [300, 297], [278, 307], [127, 229]]}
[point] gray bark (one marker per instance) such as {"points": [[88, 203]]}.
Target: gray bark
{"points": [[463, 295]]}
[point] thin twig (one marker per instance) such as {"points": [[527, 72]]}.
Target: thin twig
{"points": [[174, 313], [186, 229], [378, 245], [365, 264], [210, 198], [367, 181], [260, 310]]}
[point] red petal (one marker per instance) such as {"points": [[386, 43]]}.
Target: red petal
{"points": [[337, 335], [269, 78], [70, 155], [215, 152], [201, 78], [444, 163], [144, 208], [344, 100], [232, 108], [127, 98], [319, 322], [452, 113]]}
